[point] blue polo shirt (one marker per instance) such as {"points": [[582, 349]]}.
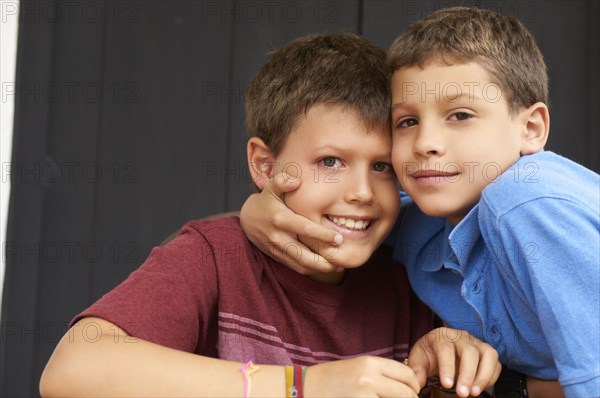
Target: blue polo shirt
{"points": [[521, 271]]}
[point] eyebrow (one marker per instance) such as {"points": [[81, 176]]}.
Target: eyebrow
{"points": [[328, 147], [397, 105]]}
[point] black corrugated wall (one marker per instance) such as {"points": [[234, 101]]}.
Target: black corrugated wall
{"points": [[129, 122]]}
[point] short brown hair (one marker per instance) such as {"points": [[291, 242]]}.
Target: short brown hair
{"points": [[340, 68], [499, 43]]}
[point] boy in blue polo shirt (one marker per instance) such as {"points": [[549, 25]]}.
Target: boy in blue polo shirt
{"points": [[502, 239]]}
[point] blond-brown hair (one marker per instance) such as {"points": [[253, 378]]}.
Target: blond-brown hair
{"points": [[499, 43], [340, 68]]}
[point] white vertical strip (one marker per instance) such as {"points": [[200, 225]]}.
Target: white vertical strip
{"points": [[9, 20]]}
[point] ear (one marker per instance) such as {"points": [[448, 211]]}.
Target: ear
{"points": [[536, 126], [260, 161]]}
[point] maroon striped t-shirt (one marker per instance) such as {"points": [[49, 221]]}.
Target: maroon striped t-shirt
{"points": [[212, 292]]}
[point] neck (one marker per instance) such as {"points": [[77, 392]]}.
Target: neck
{"points": [[329, 278]]}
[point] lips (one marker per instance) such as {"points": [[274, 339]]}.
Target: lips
{"points": [[433, 173], [428, 177]]}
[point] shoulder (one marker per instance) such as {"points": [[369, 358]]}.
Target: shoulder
{"points": [[226, 243], [539, 178], [214, 232], [415, 226], [199, 244], [215, 228], [413, 232], [223, 237]]}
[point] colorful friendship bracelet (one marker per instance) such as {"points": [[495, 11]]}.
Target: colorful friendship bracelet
{"points": [[294, 381], [247, 369]]}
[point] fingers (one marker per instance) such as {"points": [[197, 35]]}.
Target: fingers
{"points": [[282, 183], [421, 360], [438, 351], [364, 376], [479, 367], [291, 222], [445, 356], [397, 371], [488, 371], [387, 378], [297, 256], [302, 226], [469, 358], [274, 228], [387, 388]]}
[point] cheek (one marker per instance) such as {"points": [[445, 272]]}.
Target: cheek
{"points": [[401, 153], [394, 205], [389, 199], [398, 159], [308, 199], [295, 200]]}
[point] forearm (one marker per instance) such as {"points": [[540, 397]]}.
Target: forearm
{"points": [[114, 365], [538, 388], [117, 366]]}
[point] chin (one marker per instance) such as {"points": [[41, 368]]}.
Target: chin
{"points": [[350, 258], [349, 255]]}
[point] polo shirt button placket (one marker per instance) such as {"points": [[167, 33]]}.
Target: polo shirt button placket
{"points": [[477, 287], [494, 333]]}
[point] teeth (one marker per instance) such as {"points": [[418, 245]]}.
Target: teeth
{"points": [[358, 225]]}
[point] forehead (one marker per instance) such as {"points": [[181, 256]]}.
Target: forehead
{"points": [[440, 81], [440, 70], [333, 112], [336, 126]]}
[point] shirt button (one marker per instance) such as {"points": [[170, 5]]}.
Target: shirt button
{"points": [[494, 333]]}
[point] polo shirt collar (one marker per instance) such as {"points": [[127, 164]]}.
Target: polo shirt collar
{"points": [[435, 250], [465, 238]]}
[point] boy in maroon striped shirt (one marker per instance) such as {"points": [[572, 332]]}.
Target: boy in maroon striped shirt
{"points": [[209, 301]]}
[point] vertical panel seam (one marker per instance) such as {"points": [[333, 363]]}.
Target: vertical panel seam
{"points": [[43, 192], [360, 16], [229, 122], [97, 154]]}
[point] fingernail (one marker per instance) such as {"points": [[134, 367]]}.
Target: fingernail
{"points": [[338, 239], [475, 390], [448, 381], [464, 391]]}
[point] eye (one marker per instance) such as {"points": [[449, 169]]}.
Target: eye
{"points": [[408, 123], [382, 167], [330, 162], [460, 116]]}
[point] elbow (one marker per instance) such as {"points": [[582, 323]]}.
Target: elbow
{"points": [[48, 383], [58, 374], [60, 378]]}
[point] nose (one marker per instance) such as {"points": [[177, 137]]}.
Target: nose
{"points": [[429, 141], [359, 189]]}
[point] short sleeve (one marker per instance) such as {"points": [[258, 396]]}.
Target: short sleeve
{"points": [[170, 300], [552, 248]]}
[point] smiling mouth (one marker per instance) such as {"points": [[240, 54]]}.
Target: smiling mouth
{"points": [[349, 223], [433, 174]]}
